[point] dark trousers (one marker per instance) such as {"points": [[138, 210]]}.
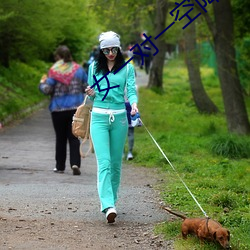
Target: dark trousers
{"points": [[130, 129], [62, 122], [147, 66], [131, 139]]}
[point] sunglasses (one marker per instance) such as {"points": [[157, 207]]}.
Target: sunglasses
{"points": [[106, 51]]}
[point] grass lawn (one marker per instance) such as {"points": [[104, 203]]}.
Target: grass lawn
{"points": [[214, 164]]}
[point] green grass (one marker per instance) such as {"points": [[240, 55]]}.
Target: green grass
{"points": [[214, 164], [19, 88]]}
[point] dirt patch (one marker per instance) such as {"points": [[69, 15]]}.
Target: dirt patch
{"points": [[51, 234]]}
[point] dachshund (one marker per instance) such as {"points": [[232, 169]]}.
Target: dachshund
{"points": [[204, 229]]}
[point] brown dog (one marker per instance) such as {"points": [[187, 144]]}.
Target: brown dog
{"points": [[204, 229]]}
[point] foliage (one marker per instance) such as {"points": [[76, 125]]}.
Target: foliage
{"points": [[27, 33], [127, 18], [230, 146], [19, 88], [220, 184], [241, 17], [242, 37], [243, 60]]}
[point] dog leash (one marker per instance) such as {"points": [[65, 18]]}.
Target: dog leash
{"points": [[174, 169]]}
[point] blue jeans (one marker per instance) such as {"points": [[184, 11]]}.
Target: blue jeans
{"points": [[108, 139]]}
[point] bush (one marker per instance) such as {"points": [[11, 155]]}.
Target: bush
{"points": [[231, 146], [19, 88], [224, 200]]}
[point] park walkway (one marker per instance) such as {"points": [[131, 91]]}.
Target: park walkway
{"points": [[40, 209]]}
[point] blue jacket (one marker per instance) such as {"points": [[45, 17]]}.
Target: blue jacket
{"points": [[65, 97]]}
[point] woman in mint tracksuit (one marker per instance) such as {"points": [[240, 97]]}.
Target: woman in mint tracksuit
{"points": [[109, 123]]}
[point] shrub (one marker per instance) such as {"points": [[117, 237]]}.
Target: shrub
{"points": [[223, 200], [231, 146]]}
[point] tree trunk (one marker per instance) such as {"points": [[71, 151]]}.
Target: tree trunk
{"points": [[235, 109], [201, 99], [156, 71]]}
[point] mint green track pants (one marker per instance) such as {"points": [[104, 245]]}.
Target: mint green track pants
{"points": [[108, 136]]}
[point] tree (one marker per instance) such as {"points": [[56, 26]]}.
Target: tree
{"points": [[156, 72], [24, 32], [28, 33], [127, 18], [201, 99], [223, 38]]}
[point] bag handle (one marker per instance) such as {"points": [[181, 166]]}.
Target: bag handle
{"points": [[85, 99], [85, 139], [90, 149]]}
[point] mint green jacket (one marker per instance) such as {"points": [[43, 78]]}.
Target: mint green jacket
{"points": [[115, 97]]}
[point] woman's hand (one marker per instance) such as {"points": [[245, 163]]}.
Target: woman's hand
{"points": [[89, 91], [134, 109], [43, 79]]}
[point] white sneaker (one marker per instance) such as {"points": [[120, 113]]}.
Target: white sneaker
{"points": [[58, 171], [111, 214], [130, 156], [76, 170]]}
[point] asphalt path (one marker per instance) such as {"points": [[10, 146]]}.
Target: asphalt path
{"points": [[26, 164], [31, 190]]}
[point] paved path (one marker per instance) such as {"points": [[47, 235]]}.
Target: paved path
{"points": [[26, 163], [27, 160], [31, 191], [141, 78]]}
